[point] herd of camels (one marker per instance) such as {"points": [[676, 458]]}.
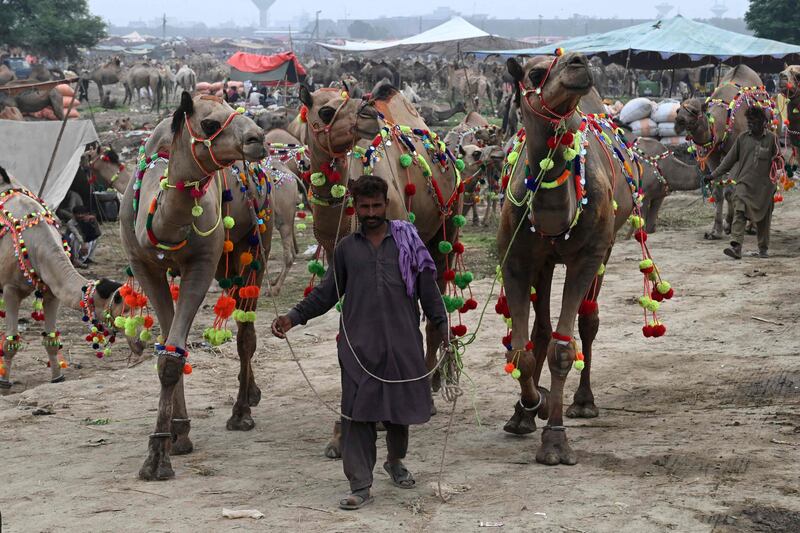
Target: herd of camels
{"points": [[198, 204]]}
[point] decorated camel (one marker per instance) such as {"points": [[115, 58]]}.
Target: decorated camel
{"points": [[572, 183], [714, 124], [388, 139], [436, 114], [473, 129], [663, 174], [482, 165], [180, 214], [35, 261]]}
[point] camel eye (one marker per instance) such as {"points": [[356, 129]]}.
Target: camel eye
{"points": [[326, 114], [536, 76]]}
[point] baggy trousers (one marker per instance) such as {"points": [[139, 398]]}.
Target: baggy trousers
{"points": [[739, 222], [359, 452]]}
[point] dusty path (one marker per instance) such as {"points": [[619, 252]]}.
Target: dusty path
{"points": [[698, 431]]}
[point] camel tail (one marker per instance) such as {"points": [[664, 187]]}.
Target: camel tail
{"points": [[5, 178]]}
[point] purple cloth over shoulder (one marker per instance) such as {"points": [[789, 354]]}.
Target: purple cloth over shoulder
{"points": [[413, 255]]}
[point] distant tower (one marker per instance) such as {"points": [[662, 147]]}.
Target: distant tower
{"points": [[663, 10], [719, 8], [263, 9]]}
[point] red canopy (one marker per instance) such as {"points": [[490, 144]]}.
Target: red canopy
{"points": [[258, 63]]}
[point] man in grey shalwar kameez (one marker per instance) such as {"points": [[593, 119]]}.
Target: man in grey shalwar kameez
{"points": [[751, 159], [383, 273]]}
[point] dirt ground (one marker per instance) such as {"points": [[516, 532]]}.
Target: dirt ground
{"points": [[698, 431]]}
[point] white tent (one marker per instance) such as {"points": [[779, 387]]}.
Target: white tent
{"points": [[452, 36], [133, 37]]}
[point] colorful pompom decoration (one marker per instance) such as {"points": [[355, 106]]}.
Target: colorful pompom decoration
{"points": [[445, 247], [406, 160]]}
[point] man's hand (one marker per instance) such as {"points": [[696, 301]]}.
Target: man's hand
{"points": [[280, 326]]}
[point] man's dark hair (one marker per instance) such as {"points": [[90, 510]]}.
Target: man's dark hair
{"points": [[755, 113], [370, 187]]}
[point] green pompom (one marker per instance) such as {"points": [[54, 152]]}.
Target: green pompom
{"points": [[318, 179], [129, 271], [197, 211], [512, 157], [645, 263], [578, 365], [145, 335], [255, 266], [238, 281], [653, 276], [164, 184], [516, 373], [663, 287], [412, 217], [228, 222], [459, 221], [445, 247], [338, 191], [546, 164], [139, 321], [250, 316], [614, 204], [301, 226], [635, 221], [570, 154], [119, 322], [225, 283], [460, 164], [405, 160], [315, 267], [130, 331], [38, 306]]}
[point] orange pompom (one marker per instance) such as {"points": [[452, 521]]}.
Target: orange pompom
{"points": [[125, 290], [187, 368], [227, 246], [509, 368], [130, 300], [2, 371], [246, 258], [141, 300], [148, 321]]}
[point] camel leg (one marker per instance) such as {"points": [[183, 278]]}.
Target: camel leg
{"points": [[651, 216], [716, 231], [517, 282], [542, 327], [157, 466], [560, 355], [583, 405], [154, 283], [181, 424], [12, 298], [286, 231], [50, 308], [240, 419]]}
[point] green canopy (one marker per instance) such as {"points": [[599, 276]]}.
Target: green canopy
{"points": [[672, 43]]}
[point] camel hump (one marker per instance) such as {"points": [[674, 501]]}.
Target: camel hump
{"points": [[743, 75]]}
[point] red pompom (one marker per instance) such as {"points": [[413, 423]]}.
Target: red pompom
{"points": [[668, 295], [711, 200], [659, 330], [459, 330], [187, 368], [509, 368], [350, 211], [529, 346], [458, 248], [461, 188], [640, 235], [303, 114], [587, 307], [411, 189], [504, 183], [647, 270], [647, 330], [552, 143], [567, 139], [301, 214], [559, 337], [449, 275], [148, 322], [175, 290], [307, 290], [507, 340], [471, 303], [534, 297], [655, 295]]}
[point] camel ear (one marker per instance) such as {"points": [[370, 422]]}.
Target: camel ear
{"points": [[476, 155], [185, 109], [346, 88], [461, 152], [305, 97], [515, 69], [210, 127]]}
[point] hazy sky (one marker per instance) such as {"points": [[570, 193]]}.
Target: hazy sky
{"points": [[208, 11]]}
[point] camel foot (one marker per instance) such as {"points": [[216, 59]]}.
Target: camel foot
{"points": [[555, 449], [254, 395], [333, 449], [60, 379], [582, 410], [182, 445], [711, 236], [157, 466], [436, 381], [240, 422], [521, 422]]}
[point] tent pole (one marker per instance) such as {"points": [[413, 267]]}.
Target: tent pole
{"points": [[58, 139], [719, 72], [627, 73]]}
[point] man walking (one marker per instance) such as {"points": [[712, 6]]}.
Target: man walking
{"points": [[381, 273], [753, 154]]}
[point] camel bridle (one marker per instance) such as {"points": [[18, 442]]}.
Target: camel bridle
{"points": [[546, 112], [207, 142], [102, 156], [317, 130]]}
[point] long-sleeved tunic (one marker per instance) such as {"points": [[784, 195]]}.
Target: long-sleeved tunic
{"points": [[383, 326], [752, 157]]}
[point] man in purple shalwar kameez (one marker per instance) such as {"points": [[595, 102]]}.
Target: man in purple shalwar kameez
{"points": [[384, 273]]}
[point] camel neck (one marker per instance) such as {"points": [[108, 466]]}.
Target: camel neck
{"points": [[679, 175], [56, 271]]}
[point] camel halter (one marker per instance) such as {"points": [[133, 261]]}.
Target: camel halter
{"points": [[103, 157], [547, 112], [207, 142], [317, 131]]}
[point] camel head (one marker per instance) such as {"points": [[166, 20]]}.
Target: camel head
{"points": [[107, 300], [490, 135], [474, 156], [102, 162], [224, 135], [691, 119], [551, 86], [335, 122], [788, 80]]}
